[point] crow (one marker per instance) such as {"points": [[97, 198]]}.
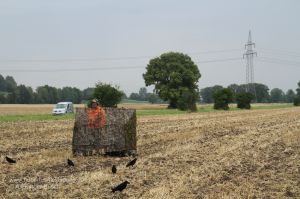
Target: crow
{"points": [[120, 187], [10, 160], [70, 163], [114, 169], [131, 163]]}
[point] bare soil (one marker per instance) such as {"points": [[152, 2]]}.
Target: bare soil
{"points": [[240, 154]]}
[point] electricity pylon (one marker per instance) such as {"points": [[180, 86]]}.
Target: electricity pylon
{"points": [[249, 54]]}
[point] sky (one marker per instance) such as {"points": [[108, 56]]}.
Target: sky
{"points": [[79, 43]]}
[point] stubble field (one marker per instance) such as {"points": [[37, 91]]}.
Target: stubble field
{"points": [[235, 154]]}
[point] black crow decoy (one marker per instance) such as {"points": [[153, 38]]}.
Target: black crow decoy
{"points": [[131, 163], [9, 160], [70, 163], [114, 169], [120, 187]]}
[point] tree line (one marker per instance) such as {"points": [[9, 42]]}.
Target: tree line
{"points": [[223, 96], [263, 93], [12, 93], [143, 95]]}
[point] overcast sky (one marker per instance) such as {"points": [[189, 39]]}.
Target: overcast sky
{"points": [[42, 41]]}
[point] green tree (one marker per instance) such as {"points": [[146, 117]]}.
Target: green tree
{"points": [[298, 89], [297, 101], [153, 98], [88, 93], [70, 94], [35, 99], [124, 96], [2, 98], [297, 97], [2, 83], [10, 84], [24, 95], [234, 89], [107, 95], [134, 96], [244, 99], [143, 95], [262, 92], [172, 73], [277, 95], [222, 98], [188, 99], [47, 95], [289, 96], [206, 94], [12, 98]]}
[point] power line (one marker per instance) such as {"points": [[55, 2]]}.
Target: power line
{"points": [[109, 58], [73, 60], [219, 60], [279, 63], [74, 69], [274, 62], [279, 53], [216, 51], [284, 61], [104, 68], [287, 52], [61, 69]]}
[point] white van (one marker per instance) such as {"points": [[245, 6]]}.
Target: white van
{"points": [[63, 108]]}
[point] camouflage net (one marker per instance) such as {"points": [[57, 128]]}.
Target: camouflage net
{"points": [[117, 137]]}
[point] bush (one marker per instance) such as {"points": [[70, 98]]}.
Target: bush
{"points": [[187, 100], [297, 101], [107, 95], [243, 100], [297, 98], [222, 98]]}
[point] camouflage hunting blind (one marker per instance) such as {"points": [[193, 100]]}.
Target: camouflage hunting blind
{"points": [[118, 136]]}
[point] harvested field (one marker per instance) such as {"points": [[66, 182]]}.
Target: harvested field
{"points": [[143, 106], [28, 109], [238, 154], [22, 109]]}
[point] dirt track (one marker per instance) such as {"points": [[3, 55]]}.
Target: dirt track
{"points": [[240, 154]]}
